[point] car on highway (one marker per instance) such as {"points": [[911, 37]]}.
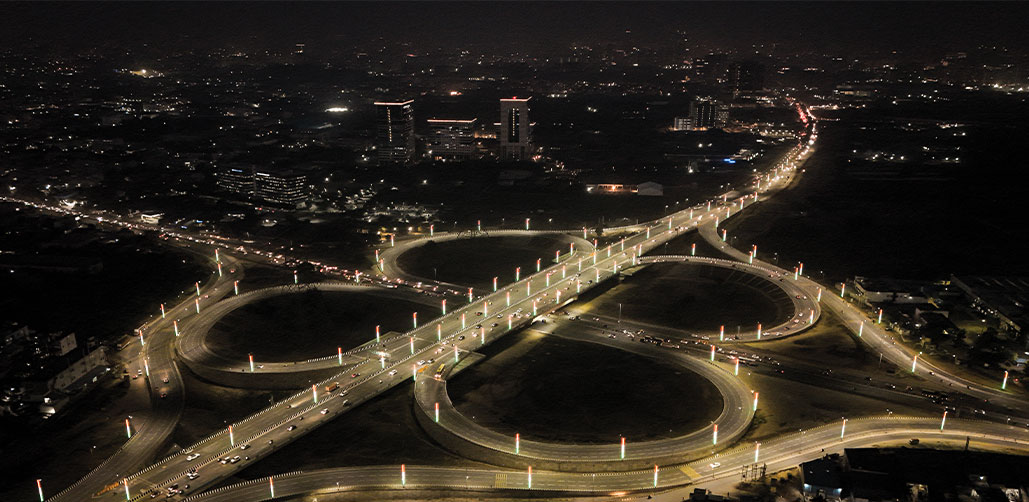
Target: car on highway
{"points": [[292, 427], [714, 465], [245, 446], [325, 411], [192, 456], [392, 372], [355, 375], [165, 379]]}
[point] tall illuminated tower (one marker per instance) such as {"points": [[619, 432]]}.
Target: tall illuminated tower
{"points": [[394, 127], [515, 133]]}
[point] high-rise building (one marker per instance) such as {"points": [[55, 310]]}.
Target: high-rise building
{"points": [[451, 139], [285, 188], [706, 114], [237, 180], [515, 133], [395, 131], [746, 77]]}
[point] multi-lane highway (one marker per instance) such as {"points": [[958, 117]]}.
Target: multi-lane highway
{"points": [[462, 330], [156, 360], [415, 355], [778, 453]]}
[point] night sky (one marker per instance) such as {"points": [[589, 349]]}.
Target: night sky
{"points": [[517, 26]]}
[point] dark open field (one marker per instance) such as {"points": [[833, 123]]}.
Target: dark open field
{"points": [[309, 324], [475, 262], [693, 297], [550, 388]]}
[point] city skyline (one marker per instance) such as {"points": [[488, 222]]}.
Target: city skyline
{"points": [[717, 252]]}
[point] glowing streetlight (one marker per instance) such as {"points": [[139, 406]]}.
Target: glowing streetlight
{"points": [[432, 230], [861, 329], [197, 303], [392, 242], [714, 437], [518, 273], [843, 428], [219, 270], [470, 295], [530, 477], [478, 225], [495, 284], [758, 331], [412, 345], [39, 486], [271, 486], [162, 311], [125, 483], [507, 297], [755, 400], [712, 353], [235, 287], [403, 475], [296, 279], [914, 362], [232, 438], [444, 306], [377, 333], [819, 297], [843, 289], [439, 332], [527, 223], [539, 262], [414, 319], [462, 320], [880, 320], [623, 448], [736, 369], [314, 393], [518, 442], [725, 233], [197, 284], [1004, 384], [437, 412], [693, 249], [128, 428], [757, 451], [943, 421], [655, 475], [721, 333]]}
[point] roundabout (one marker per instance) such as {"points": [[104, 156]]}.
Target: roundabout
{"points": [[446, 255], [195, 352], [463, 435]]}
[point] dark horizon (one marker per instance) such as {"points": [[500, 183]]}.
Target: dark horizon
{"points": [[518, 26]]}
